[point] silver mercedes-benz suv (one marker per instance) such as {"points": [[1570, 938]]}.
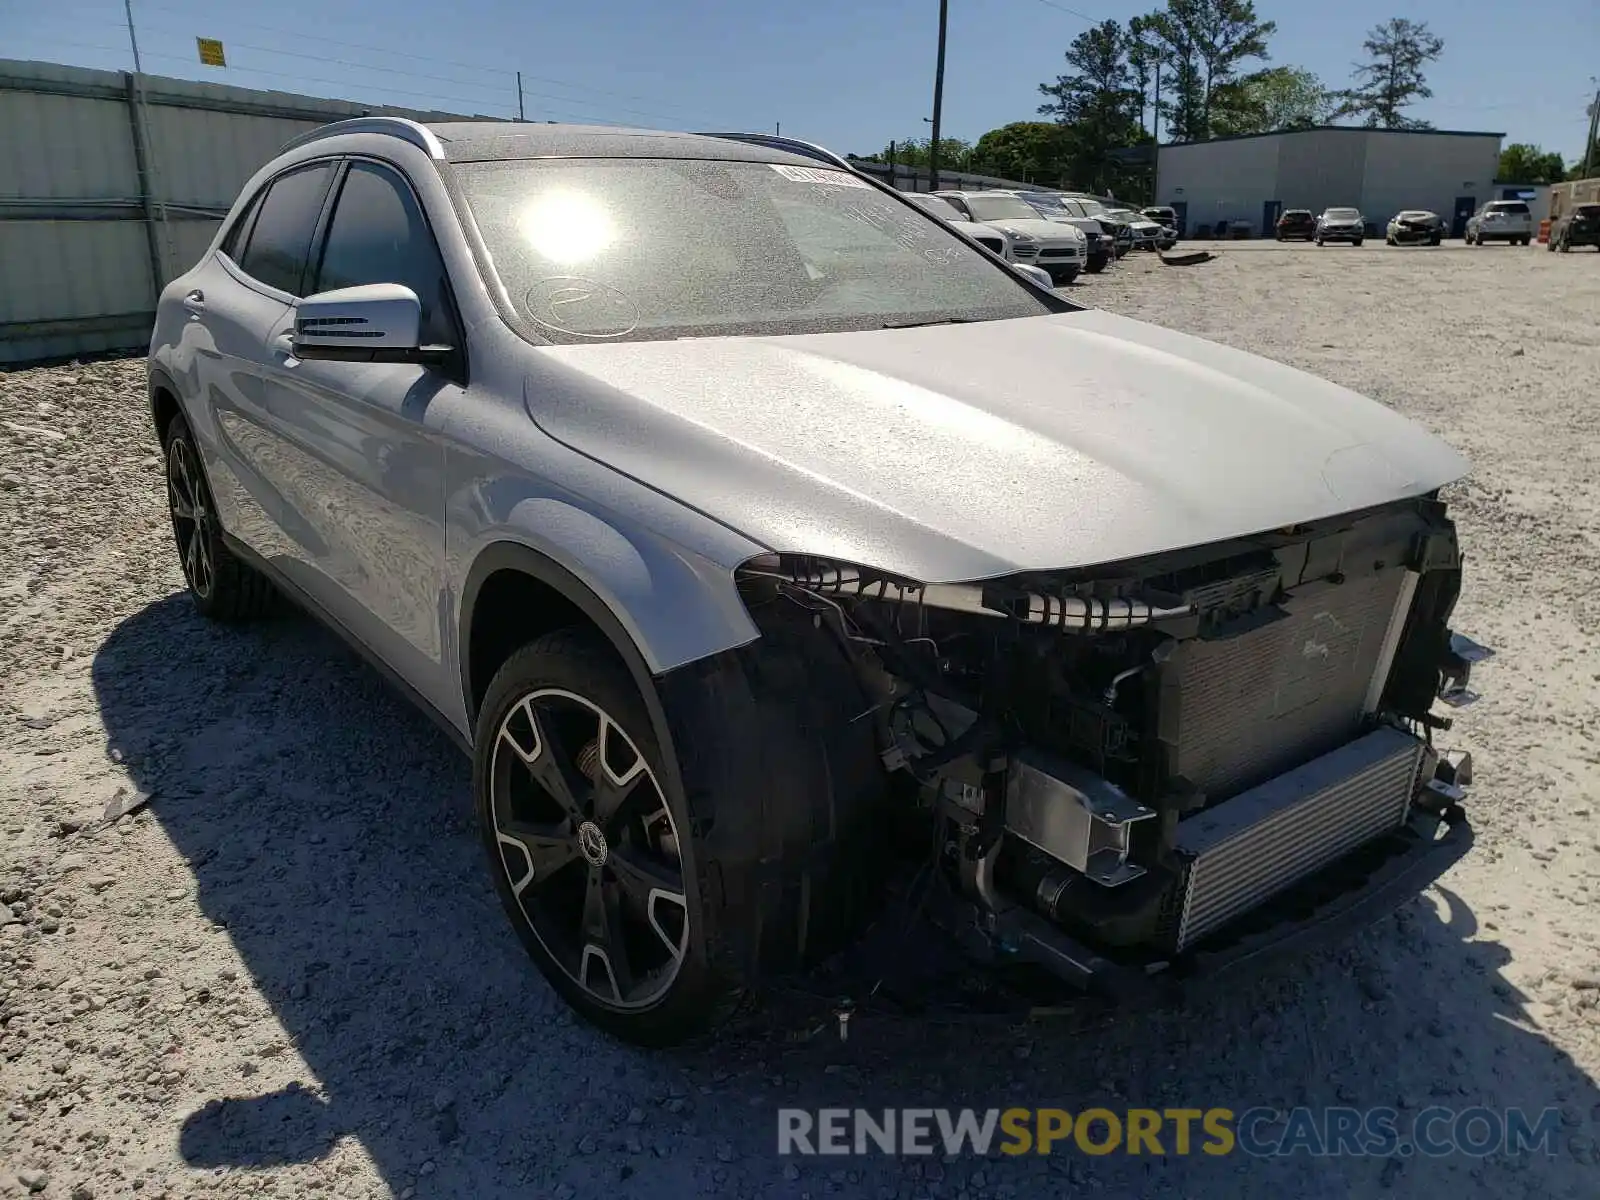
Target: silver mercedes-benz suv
{"points": [[730, 511]]}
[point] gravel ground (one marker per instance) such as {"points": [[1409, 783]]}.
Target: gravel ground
{"points": [[286, 974]]}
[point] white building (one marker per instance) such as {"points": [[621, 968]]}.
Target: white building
{"points": [[1380, 171]]}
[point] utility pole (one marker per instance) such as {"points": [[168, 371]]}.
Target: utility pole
{"points": [[777, 128], [938, 100], [521, 114], [133, 38], [1594, 133]]}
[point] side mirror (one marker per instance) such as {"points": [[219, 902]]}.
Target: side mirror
{"points": [[1037, 275], [377, 322]]}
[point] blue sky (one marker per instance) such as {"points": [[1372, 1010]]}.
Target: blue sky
{"points": [[847, 74]]}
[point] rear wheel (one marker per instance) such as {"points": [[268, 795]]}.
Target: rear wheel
{"points": [[222, 587]]}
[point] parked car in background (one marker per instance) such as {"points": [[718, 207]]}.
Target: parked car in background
{"points": [[1580, 227], [1341, 225], [1058, 248], [1092, 206], [745, 525], [1053, 206], [1165, 215], [1501, 221], [1147, 234], [986, 236], [1296, 223], [1415, 226]]}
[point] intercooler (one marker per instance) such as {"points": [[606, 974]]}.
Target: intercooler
{"points": [[1274, 835], [1282, 686]]}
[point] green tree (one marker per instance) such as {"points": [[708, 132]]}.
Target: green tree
{"points": [[913, 152], [1273, 99], [1522, 163], [1032, 151], [1226, 33], [1098, 106], [1393, 75], [1179, 97], [1200, 46]]}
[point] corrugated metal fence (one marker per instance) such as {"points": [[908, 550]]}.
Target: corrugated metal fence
{"points": [[111, 184]]}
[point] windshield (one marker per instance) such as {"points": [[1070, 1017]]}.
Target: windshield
{"points": [[1000, 208], [1341, 214], [1093, 207], [1587, 210], [1511, 206], [942, 209], [638, 249]]}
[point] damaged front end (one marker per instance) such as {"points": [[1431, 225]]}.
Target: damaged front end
{"points": [[1169, 764]]}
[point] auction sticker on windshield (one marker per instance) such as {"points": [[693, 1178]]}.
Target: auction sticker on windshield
{"points": [[817, 175]]}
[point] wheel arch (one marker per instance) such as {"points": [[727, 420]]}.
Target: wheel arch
{"points": [[164, 404], [508, 572]]}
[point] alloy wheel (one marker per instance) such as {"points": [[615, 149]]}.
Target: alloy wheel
{"points": [[589, 847], [191, 517]]}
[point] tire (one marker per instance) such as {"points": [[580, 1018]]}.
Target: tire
{"points": [[1070, 275], [222, 587], [1097, 264], [1319, 241], [1565, 247], [1356, 241], [756, 856], [1436, 239]]}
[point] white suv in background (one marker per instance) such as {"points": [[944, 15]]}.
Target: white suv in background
{"points": [[1060, 249], [1501, 221], [985, 235]]}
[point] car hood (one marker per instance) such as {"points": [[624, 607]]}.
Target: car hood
{"points": [[958, 452], [1046, 231], [974, 228]]}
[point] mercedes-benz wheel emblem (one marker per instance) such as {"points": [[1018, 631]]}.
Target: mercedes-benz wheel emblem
{"points": [[593, 844]]}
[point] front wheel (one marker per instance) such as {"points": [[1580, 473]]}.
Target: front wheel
{"points": [[1356, 242], [593, 860], [1065, 275], [653, 890], [1097, 264]]}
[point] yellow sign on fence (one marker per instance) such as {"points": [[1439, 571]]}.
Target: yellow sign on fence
{"points": [[211, 52]]}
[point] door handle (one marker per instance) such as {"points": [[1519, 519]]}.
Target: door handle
{"points": [[195, 301]]}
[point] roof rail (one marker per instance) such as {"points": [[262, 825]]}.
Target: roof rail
{"points": [[775, 141], [417, 134]]}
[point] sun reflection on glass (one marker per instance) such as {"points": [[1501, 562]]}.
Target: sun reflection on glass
{"points": [[566, 227]]}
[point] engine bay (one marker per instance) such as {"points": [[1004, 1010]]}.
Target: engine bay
{"points": [[1142, 754]]}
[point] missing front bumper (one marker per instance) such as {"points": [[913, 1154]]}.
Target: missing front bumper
{"points": [[1346, 896]]}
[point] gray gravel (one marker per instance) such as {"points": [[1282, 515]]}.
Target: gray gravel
{"points": [[286, 974]]}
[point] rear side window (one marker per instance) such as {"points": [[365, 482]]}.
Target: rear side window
{"points": [[234, 241], [280, 241], [379, 235]]}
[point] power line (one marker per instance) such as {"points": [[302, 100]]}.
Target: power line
{"points": [[300, 34], [1071, 12], [596, 110]]}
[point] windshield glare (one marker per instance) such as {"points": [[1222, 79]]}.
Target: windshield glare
{"points": [[1342, 214], [1000, 208], [635, 249]]}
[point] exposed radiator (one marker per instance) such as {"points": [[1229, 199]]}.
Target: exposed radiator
{"points": [[1276, 834], [1240, 709]]}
